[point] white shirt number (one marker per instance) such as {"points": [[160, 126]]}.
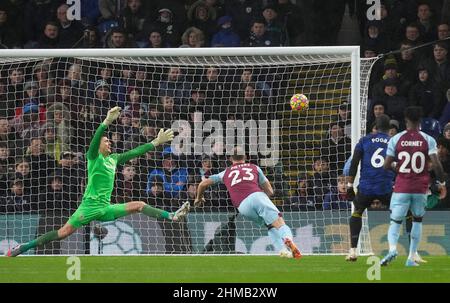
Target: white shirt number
{"points": [[416, 157], [377, 160], [248, 176]]}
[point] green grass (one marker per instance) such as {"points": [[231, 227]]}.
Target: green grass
{"points": [[202, 269]]}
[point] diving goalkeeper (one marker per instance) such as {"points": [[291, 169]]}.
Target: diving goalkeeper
{"points": [[95, 204]]}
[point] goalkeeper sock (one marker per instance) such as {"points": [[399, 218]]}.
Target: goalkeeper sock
{"points": [[393, 235], [276, 239], [156, 212], [284, 232], [416, 235], [355, 229], [44, 239]]}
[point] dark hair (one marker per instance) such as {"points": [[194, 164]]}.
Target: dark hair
{"points": [[383, 123], [413, 114], [238, 154], [441, 44]]}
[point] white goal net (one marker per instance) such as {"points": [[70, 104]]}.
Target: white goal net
{"points": [[214, 99]]}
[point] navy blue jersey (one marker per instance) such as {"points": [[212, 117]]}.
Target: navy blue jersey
{"points": [[374, 179]]}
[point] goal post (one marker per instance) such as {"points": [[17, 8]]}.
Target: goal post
{"points": [[214, 98]]}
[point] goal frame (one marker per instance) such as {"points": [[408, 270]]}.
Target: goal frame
{"points": [[353, 53]]}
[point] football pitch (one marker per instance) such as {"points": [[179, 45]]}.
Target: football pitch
{"points": [[214, 269]]}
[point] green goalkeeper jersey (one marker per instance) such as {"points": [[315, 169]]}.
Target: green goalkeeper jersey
{"points": [[102, 170]]}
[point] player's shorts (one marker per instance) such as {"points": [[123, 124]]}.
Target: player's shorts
{"points": [[86, 214], [401, 203], [258, 208], [361, 201]]}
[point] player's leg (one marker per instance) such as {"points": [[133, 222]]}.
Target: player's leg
{"points": [[120, 210], [360, 204], [418, 211], [53, 235], [399, 207], [285, 234]]}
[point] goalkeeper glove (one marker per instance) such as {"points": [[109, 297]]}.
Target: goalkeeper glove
{"points": [[163, 137], [112, 115]]}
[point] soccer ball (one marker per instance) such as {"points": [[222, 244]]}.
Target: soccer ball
{"points": [[299, 102]]}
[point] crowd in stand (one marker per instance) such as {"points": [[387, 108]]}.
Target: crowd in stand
{"points": [[53, 107]]}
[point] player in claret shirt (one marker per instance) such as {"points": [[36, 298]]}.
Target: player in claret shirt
{"points": [[95, 204], [249, 191], [412, 150]]}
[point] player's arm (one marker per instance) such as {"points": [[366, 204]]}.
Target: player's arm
{"points": [[112, 115], [163, 137], [356, 158], [389, 161], [203, 186], [264, 183], [440, 175]]}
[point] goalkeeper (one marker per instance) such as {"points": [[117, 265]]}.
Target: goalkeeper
{"points": [[95, 204]]}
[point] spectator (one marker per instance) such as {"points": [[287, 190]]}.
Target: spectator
{"points": [[58, 198], [242, 13], [10, 36], [199, 17], [337, 198], [301, 200], [391, 72], [133, 18], [91, 37], [321, 182], [128, 132], [225, 37], [426, 94], [16, 201], [110, 9], [36, 14], [135, 106], [247, 76], [394, 128], [193, 37], [443, 32], [72, 171], [22, 172], [41, 165], [116, 86], [70, 31], [426, 23], [75, 76], [49, 38], [128, 186], [377, 205], [197, 104], [293, 20], [174, 179], [407, 62], [446, 131], [344, 118], [439, 66], [175, 85], [445, 116], [155, 40], [250, 105], [274, 27], [15, 89], [117, 38], [31, 125], [412, 34], [45, 81], [395, 104], [166, 25], [213, 7], [58, 118], [336, 148], [7, 137], [259, 37]]}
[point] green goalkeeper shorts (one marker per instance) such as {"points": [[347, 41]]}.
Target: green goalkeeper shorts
{"points": [[86, 214]]}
